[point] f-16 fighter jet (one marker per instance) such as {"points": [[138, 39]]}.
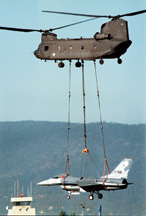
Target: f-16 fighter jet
{"points": [[117, 180]]}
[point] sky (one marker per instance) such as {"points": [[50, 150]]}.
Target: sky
{"points": [[31, 89]]}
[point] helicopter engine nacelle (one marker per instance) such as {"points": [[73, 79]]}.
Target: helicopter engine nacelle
{"points": [[99, 36], [47, 36]]}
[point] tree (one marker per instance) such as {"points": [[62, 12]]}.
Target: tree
{"points": [[63, 213]]}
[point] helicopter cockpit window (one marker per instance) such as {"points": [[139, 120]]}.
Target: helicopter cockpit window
{"points": [[39, 47], [46, 48]]}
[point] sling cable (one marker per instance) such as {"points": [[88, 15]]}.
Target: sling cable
{"points": [[105, 158], [85, 150], [67, 161]]}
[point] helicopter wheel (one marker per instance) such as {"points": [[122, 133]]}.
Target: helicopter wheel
{"points": [[101, 61], [61, 64], [78, 64], [119, 61], [68, 197]]}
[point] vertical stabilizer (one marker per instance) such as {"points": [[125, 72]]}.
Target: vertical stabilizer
{"points": [[121, 171]]}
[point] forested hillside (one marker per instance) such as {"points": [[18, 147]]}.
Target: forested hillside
{"points": [[35, 151]]}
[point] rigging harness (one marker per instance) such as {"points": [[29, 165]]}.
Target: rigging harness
{"points": [[85, 150], [67, 161], [105, 158]]}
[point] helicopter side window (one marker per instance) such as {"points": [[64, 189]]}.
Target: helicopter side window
{"points": [[46, 48], [58, 47], [82, 47], [94, 47]]}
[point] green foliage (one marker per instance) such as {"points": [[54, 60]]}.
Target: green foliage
{"points": [[63, 213]]}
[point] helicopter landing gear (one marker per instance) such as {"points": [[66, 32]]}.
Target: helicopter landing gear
{"points": [[78, 64], [119, 61], [101, 61], [91, 197], [61, 64], [68, 197]]}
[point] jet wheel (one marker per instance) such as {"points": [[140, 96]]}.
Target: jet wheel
{"points": [[91, 197], [100, 196], [68, 197]]}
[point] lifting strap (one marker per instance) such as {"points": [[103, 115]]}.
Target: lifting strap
{"points": [[105, 159], [84, 110], [85, 150], [67, 161]]}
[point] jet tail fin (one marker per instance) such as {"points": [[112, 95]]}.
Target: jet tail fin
{"points": [[121, 171]]}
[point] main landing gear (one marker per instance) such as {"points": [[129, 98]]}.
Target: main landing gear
{"points": [[100, 196], [91, 197], [68, 197], [61, 64], [78, 64], [101, 61]]}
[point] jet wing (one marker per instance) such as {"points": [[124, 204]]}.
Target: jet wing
{"points": [[89, 187]]}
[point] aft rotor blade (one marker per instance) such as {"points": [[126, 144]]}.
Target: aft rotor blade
{"points": [[65, 26], [97, 16], [77, 14], [20, 29], [132, 14]]}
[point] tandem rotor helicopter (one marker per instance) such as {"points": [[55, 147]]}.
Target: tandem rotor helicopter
{"points": [[111, 42]]}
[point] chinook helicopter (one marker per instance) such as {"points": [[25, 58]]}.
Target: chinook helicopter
{"points": [[111, 42]]}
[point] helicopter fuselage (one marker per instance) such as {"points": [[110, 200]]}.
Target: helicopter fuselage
{"points": [[111, 42]]}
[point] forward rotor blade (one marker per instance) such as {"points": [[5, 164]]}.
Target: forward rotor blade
{"points": [[20, 29], [77, 14], [132, 14], [65, 26]]}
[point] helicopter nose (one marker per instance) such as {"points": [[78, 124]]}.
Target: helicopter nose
{"points": [[37, 53]]}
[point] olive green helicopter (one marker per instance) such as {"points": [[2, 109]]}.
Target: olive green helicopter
{"points": [[111, 42]]}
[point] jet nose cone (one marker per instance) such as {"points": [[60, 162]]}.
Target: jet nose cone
{"points": [[43, 183]]}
